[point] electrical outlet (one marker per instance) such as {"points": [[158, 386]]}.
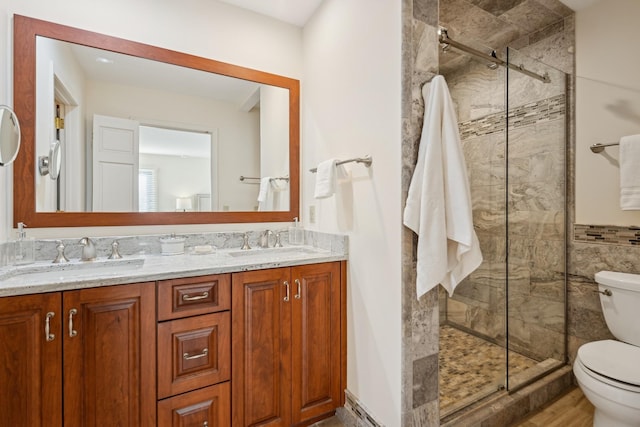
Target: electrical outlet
{"points": [[312, 214]]}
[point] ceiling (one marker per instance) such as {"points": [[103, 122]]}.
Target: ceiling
{"points": [[298, 12]]}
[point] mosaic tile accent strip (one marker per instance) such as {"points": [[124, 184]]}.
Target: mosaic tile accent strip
{"points": [[607, 234], [528, 114], [352, 405]]}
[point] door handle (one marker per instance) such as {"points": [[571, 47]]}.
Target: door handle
{"points": [[72, 332], [187, 356], [47, 326], [286, 296], [299, 294], [187, 297]]}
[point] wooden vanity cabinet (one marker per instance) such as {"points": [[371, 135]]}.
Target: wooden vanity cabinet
{"points": [[98, 350], [287, 345], [31, 360], [109, 354], [194, 351]]}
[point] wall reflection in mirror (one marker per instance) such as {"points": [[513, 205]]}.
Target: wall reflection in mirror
{"points": [[138, 135]]}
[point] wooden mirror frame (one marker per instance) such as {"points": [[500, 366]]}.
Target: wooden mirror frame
{"points": [[24, 209]]}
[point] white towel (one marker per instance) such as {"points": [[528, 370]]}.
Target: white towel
{"points": [[263, 192], [438, 207], [630, 173], [325, 179]]}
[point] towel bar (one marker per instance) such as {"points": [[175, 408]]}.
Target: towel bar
{"points": [[599, 148], [366, 160], [284, 178]]}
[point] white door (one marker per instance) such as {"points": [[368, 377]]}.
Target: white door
{"points": [[115, 164]]}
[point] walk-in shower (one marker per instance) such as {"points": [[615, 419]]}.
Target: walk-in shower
{"points": [[504, 327]]}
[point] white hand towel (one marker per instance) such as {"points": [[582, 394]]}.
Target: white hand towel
{"points": [[263, 192], [438, 207], [325, 179], [630, 173]]}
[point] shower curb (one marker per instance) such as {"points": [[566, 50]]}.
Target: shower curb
{"points": [[507, 408]]}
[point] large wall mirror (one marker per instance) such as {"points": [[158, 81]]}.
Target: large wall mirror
{"points": [[120, 133]]}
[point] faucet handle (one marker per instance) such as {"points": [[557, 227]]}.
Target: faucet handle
{"points": [[114, 251], [245, 242], [60, 257], [277, 244]]}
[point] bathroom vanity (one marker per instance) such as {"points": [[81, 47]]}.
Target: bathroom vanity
{"points": [[214, 340]]}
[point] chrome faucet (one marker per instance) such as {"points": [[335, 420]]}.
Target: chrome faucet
{"points": [[264, 238], [88, 249]]}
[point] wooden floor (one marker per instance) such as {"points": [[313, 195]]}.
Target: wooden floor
{"points": [[570, 410]]}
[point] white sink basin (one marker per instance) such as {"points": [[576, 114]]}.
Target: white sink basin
{"points": [[287, 250], [80, 268]]}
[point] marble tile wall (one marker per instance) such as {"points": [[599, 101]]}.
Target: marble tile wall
{"points": [[420, 317], [45, 249], [420, 63]]}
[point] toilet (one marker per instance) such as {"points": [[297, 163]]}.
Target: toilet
{"points": [[608, 371]]}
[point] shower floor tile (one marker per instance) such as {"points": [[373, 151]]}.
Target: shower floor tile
{"points": [[472, 368]]}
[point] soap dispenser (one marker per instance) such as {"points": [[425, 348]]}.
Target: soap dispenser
{"points": [[296, 233], [24, 248]]}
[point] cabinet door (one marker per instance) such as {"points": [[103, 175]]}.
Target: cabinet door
{"points": [[206, 407], [316, 340], [261, 348], [109, 356], [30, 361]]}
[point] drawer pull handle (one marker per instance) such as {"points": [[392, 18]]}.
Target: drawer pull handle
{"points": [[298, 295], [72, 332], [205, 424], [186, 356], [187, 297], [286, 296], [47, 326]]}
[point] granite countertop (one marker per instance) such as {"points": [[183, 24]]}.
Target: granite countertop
{"points": [[44, 276]]}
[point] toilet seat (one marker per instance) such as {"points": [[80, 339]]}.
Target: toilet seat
{"points": [[612, 362]]}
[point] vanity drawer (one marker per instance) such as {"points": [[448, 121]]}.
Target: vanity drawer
{"points": [[193, 353], [194, 295], [209, 406]]}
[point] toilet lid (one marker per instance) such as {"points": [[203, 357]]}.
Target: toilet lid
{"points": [[613, 359]]}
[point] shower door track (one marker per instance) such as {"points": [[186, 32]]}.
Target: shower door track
{"points": [[446, 41]]}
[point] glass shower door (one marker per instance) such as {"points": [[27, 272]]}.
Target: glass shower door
{"points": [[536, 220]]}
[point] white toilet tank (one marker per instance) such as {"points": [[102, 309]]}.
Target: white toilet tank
{"points": [[620, 300]]}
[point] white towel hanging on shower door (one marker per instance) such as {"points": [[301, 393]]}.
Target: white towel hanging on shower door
{"points": [[438, 207]]}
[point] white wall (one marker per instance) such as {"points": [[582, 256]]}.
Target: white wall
{"points": [[178, 177], [53, 60], [274, 142], [607, 105], [201, 27], [351, 106], [238, 131]]}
